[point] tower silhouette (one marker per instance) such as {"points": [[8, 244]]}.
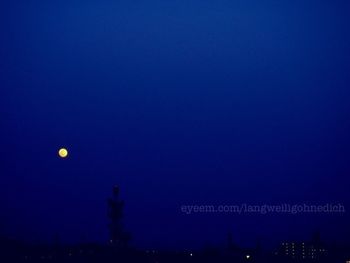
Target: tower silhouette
{"points": [[118, 237]]}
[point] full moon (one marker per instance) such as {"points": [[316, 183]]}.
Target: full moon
{"points": [[63, 153]]}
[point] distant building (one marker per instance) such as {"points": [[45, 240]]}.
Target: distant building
{"points": [[118, 237], [302, 250], [313, 249]]}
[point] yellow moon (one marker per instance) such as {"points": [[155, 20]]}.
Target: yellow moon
{"points": [[63, 153]]}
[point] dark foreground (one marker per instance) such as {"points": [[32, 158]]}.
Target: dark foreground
{"points": [[13, 251]]}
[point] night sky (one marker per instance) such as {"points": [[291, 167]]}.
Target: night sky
{"points": [[178, 103]]}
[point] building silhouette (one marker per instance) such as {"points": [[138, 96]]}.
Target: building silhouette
{"points": [[307, 250], [117, 236]]}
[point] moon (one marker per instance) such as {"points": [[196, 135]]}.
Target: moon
{"points": [[63, 152]]}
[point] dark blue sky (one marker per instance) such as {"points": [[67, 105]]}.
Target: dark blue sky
{"points": [[178, 102]]}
